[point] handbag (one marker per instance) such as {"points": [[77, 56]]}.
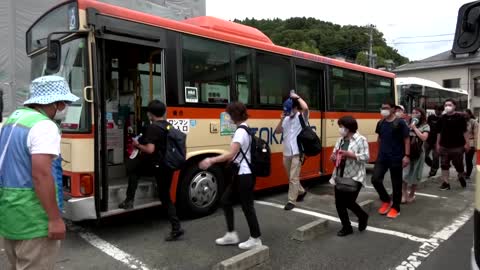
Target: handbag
{"points": [[344, 184]]}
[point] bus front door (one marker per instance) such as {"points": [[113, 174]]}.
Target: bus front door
{"points": [[129, 73]]}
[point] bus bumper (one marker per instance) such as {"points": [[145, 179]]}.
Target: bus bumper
{"points": [[77, 209]]}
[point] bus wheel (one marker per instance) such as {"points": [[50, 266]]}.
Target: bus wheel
{"points": [[200, 190]]}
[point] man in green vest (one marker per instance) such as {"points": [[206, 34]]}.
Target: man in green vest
{"points": [[30, 219]]}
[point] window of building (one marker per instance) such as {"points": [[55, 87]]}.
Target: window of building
{"points": [[243, 76], [309, 86], [451, 83], [347, 90], [379, 89], [476, 86], [206, 70], [273, 78]]}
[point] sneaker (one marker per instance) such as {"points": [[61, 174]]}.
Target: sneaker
{"points": [[301, 197], [127, 204], [345, 231], [289, 206], [251, 243], [174, 235], [445, 186], [362, 223], [230, 238], [384, 208], [432, 173], [462, 182], [393, 213]]}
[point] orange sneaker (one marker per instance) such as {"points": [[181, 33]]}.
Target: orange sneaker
{"points": [[384, 208], [393, 213]]}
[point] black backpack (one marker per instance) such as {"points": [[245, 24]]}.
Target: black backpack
{"points": [[308, 141], [260, 155], [175, 154]]}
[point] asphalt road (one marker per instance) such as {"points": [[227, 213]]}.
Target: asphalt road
{"points": [[136, 239]]}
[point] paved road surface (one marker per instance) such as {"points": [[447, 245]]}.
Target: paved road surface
{"points": [[135, 240]]}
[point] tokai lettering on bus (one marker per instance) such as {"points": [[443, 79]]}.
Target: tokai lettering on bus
{"points": [[268, 134]]}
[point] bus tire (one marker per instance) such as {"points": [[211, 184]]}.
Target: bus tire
{"points": [[200, 190]]}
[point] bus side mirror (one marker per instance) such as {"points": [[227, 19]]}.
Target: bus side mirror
{"points": [[467, 34], [54, 55]]}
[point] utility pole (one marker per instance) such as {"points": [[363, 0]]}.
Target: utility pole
{"points": [[370, 47]]}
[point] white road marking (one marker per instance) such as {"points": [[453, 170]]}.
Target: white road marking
{"points": [[419, 194], [426, 249], [335, 219], [129, 260], [430, 195]]}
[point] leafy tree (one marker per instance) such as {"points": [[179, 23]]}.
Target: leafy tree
{"points": [[326, 38]]}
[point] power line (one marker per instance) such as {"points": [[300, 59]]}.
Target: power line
{"points": [[420, 42], [439, 35], [347, 49]]}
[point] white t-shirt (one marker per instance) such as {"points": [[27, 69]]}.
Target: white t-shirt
{"points": [[291, 128], [44, 138], [244, 139]]}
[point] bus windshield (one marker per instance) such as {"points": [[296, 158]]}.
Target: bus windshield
{"points": [[75, 70]]}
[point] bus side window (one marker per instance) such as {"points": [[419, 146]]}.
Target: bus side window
{"points": [[378, 89], [347, 91], [274, 73], [206, 67], [309, 83], [243, 74]]}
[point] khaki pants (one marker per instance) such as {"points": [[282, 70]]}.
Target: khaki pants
{"points": [[293, 165], [33, 254]]}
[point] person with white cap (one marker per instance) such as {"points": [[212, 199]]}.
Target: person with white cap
{"points": [[31, 222], [399, 111]]}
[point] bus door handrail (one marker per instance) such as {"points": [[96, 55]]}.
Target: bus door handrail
{"points": [[85, 96]]}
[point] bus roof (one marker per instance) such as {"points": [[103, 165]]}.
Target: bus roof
{"points": [[424, 82], [221, 30]]}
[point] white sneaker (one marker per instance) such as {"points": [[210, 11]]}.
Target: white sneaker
{"points": [[230, 238], [251, 243]]}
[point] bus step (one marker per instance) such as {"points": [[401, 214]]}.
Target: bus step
{"points": [[145, 190]]}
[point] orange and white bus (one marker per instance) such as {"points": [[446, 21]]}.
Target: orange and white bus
{"points": [[118, 60]]}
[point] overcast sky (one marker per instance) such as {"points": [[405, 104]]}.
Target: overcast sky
{"points": [[402, 22]]}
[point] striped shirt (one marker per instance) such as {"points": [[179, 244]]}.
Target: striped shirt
{"points": [[354, 168]]}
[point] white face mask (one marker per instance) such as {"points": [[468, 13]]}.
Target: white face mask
{"points": [[399, 114], [61, 115], [385, 113], [343, 131], [448, 109]]}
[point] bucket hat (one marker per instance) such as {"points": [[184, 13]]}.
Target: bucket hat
{"points": [[50, 89]]}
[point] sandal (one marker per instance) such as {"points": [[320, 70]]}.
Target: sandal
{"points": [[411, 199]]}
